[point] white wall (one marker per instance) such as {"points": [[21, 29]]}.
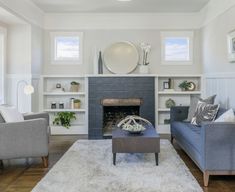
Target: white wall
{"points": [[219, 72], [101, 30], [19, 49]]}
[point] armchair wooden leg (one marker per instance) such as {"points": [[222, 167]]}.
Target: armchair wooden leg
{"points": [[206, 178], [45, 161]]}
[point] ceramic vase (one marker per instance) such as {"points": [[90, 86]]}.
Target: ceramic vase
{"points": [[144, 69]]}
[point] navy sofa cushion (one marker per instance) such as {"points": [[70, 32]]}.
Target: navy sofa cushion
{"points": [[190, 133]]}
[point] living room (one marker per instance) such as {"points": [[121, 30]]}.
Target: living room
{"points": [[89, 90]]}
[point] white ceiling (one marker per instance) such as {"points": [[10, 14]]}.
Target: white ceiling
{"points": [[8, 18], [114, 6]]}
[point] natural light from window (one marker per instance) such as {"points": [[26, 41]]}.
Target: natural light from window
{"points": [[177, 49], [67, 48]]}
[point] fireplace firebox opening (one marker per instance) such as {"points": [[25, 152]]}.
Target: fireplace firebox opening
{"points": [[116, 109]]}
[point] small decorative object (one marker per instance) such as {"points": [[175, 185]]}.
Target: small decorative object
{"points": [[231, 46], [146, 48], [166, 85], [64, 119], [77, 103], [170, 103], [53, 105], [131, 125], [167, 121], [187, 86], [74, 86], [100, 63], [61, 105], [72, 103], [58, 86]]}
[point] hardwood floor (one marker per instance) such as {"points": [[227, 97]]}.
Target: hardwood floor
{"points": [[23, 175]]}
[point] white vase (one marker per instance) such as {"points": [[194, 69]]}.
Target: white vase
{"points": [[144, 69]]}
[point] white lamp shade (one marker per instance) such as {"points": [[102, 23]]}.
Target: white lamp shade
{"points": [[28, 89]]}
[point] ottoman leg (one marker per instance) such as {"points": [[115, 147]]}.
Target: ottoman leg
{"points": [[156, 158], [114, 158]]}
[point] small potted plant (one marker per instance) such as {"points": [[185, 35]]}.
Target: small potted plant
{"points": [[74, 86], [77, 103], [185, 85], [64, 119]]}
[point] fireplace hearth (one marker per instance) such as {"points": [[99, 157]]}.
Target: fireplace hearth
{"points": [[113, 98]]}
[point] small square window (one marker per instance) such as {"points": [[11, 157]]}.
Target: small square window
{"points": [[66, 48], [177, 47]]}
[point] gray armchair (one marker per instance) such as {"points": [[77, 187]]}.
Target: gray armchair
{"points": [[25, 139]]}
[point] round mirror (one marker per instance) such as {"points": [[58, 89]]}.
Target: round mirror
{"points": [[121, 57]]}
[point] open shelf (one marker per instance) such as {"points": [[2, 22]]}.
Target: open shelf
{"points": [[64, 110], [63, 93], [179, 92]]}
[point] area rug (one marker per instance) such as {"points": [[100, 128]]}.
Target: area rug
{"points": [[87, 167]]}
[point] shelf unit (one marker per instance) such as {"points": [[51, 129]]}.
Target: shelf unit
{"points": [[181, 98], [49, 95]]}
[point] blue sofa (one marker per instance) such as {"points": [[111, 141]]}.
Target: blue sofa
{"points": [[211, 146]]}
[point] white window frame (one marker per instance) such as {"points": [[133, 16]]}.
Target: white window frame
{"points": [[3, 31], [54, 61], [177, 34]]}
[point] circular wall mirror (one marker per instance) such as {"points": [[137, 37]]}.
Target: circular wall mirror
{"points": [[121, 57]]}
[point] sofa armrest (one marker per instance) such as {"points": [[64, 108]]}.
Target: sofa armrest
{"points": [[24, 139], [218, 146], [37, 116], [178, 113]]}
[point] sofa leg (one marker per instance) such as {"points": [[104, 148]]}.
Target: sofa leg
{"points": [[45, 161], [206, 178], [172, 138]]}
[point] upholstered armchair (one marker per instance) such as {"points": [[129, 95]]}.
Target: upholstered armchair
{"points": [[29, 138]]}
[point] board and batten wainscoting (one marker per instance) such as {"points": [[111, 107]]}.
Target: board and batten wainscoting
{"points": [[221, 84]]}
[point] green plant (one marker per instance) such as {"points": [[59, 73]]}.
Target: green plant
{"points": [[77, 101], [64, 119], [185, 85], [74, 83]]}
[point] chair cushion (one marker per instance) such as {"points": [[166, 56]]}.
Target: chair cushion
{"points": [[11, 114], [188, 132]]}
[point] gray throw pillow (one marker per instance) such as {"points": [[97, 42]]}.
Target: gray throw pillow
{"points": [[204, 112], [193, 105]]}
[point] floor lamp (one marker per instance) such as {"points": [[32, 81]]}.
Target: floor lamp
{"points": [[28, 90]]}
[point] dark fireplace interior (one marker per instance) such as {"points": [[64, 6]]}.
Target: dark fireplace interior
{"points": [[116, 109], [113, 114]]}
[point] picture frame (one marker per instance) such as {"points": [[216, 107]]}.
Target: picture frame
{"points": [[166, 85], [231, 46]]}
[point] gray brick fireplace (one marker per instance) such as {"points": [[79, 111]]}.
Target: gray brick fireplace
{"points": [[101, 88]]}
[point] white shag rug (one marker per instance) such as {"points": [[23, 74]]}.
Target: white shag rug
{"points": [[87, 167]]}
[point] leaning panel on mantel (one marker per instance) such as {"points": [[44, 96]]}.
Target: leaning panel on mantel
{"points": [[221, 84]]}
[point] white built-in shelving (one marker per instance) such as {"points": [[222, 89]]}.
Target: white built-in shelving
{"points": [[181, 98], [49, 95]]}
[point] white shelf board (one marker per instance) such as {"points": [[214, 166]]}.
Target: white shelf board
{"points": [[64, 110], [163, 129], [179, 92], [63, 76], [63, 93], [164, 110]]}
